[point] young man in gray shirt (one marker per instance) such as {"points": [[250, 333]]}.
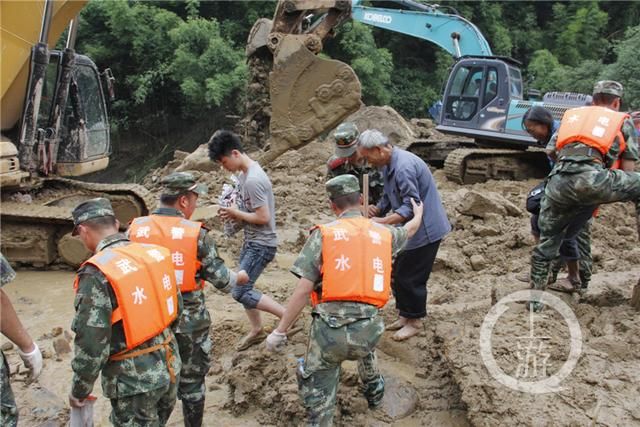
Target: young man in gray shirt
{"points": [[258, 218]]}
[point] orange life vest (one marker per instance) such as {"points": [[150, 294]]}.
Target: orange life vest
{"points": [[356, 254], [180, 236], [142, 279], [595, 127]]}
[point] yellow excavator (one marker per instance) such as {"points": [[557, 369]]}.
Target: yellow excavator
{"points": [[55, 126]]}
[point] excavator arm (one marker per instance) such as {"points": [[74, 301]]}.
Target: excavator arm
{"points": [[309, 94], [451, 32]]}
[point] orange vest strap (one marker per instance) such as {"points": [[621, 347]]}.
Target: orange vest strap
{"points": [[126, 354], [116, 315]]}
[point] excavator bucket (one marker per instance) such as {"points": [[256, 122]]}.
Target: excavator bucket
{"points": [[258, 36], [309, 94]]}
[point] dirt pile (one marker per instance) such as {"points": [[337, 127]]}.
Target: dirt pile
{"points": [[489, 244], [254, 126]]}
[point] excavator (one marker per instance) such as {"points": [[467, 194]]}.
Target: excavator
{"points": [[55, 127], [483, 97]]}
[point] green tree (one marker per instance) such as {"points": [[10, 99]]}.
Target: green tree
{"points": [[542, 71], [131, 39], [582, 35], [373, 65], [209, 70], [626, 68]]}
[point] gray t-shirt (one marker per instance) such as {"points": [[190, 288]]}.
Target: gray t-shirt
{"points": [[256, 191]]}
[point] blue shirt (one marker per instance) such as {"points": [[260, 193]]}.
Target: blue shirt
{"points": [[406, 177]]}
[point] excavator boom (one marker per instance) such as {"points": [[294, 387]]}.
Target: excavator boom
{"points": [[451, 32]]}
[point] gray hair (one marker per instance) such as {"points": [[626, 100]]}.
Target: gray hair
{"points": [[371, 138]]}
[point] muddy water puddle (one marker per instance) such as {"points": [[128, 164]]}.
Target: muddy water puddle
{"points": [[44, 302]]}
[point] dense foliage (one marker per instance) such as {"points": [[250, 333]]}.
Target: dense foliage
{"points": [[183, 61]]}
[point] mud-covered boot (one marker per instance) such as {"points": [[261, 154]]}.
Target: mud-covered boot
{"points": [[193, 413]]}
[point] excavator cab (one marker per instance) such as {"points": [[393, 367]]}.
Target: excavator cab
{"points": [[85, 139], [477, 97]]}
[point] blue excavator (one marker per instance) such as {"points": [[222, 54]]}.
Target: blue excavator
{"points": [[483, 98]]}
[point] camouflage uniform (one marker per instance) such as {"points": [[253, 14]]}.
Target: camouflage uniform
{"points": [[192, 331], [8, 408], [576, 185], [339, 331], [339, 166], [140, 388], [345, 161]]}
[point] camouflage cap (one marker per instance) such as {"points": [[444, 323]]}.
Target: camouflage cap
{"points": [[178, 182], [608, 86], [94, 208], [346, 138], [342, 185]]}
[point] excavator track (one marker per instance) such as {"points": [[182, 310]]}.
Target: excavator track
{"points": [[37, 225], [474, 165]]}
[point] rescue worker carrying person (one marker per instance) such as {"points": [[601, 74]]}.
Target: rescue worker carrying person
{"points": [[345, 266], [574, 253], [195, 259], [588, 144], [126, 301]]}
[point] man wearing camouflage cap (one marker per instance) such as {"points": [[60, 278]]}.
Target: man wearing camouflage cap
{"points": [[346, 160], [194, 254], [596, 149], [125, 293], [347, 286]]}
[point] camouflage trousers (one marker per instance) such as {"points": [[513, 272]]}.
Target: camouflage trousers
{"points": [[151, 409], [569, 202], [329, 346], [585, 260], [8, 408], [195, 350]]}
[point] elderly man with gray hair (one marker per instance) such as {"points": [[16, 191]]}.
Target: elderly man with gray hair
{"points": [[406, 176]]}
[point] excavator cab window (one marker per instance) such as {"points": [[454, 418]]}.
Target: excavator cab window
{"points": [[491, 87], [48, 91], [515, 83], [86, 123], [464, 96]]}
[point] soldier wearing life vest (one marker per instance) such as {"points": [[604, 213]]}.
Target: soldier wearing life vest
{"points": [[347, 161], [195, 259], [345, 267], [126, 302], [596, 153]]}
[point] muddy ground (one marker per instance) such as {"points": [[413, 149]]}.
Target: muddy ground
{"points": [[435, 379]]}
